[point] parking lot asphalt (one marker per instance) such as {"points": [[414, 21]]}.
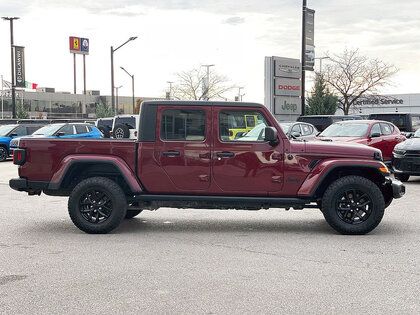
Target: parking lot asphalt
{"points": [[205, 261]]}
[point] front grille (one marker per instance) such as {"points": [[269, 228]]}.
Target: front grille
{"points": [[412, 153], [407, 165]]}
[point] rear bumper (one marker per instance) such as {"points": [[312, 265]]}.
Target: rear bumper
{"points": [[30, 186], [398, 188]]}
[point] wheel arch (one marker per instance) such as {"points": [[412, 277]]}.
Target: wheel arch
{"points": [[335, 172], [74, 170]]}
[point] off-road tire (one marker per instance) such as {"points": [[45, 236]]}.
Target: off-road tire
{"points": [[132, 213], [105, 131], [116, 202], [121, 131], [402, 177], [333, 197], [3, 153]]}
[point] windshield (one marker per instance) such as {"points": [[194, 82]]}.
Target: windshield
{"points": [[285, 127], [417, 134], [346, 130], [4, 130], [48, 130]]}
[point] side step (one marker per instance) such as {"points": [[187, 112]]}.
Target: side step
{"points": [[237, 202]]}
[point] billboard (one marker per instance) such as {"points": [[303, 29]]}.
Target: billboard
{"points": [[19, 66], [79, 45]]}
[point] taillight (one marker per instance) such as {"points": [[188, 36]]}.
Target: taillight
{"points": [[111, 135], [19, 156], [135, 133]]}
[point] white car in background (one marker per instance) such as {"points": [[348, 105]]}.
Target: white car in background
{"points": [[125, 127]]}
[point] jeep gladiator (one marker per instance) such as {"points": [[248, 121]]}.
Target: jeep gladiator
{"points": [[185, 157]]}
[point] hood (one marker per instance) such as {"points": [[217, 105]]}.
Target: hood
{"points": [[337, 149], [409, 144], [342, 139]]}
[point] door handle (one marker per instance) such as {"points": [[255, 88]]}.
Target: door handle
{"points": [[171, 153], [225, 154]]}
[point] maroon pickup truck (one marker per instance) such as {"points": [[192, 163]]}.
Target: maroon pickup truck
{"points": [[187, 157]]}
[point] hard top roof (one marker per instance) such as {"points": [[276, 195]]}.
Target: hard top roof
{"points": [[201, 103]]}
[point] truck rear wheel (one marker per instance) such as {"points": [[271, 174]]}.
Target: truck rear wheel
{"points": [[97, 205], [353, 205]]}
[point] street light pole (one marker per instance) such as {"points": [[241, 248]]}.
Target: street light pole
{"points": [[206, 90], [13, 65], [112, 70], [170, 88], [320, 62], [303, 56], [132, 83]]}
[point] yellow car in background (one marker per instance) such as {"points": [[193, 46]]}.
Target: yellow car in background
{"points": [[241, 124]]}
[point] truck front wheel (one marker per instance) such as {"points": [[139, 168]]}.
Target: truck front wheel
{"points": [[353, 205], [97, 205]]}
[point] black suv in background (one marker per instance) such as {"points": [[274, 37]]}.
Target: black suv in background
{"points": [[321, 122], [406, 122]]}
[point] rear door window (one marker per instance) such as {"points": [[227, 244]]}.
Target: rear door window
{"points": [[67, 130], [387, 129], [32, 129], [80, 129], [183, 125], [129, 121], [376, 129], [306, 129]]}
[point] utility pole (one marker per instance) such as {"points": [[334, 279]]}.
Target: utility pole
{"points": [[206, 89], [116, 89], [13, 64], [112, 70]]}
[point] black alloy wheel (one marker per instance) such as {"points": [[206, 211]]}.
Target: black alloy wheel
{"points": [[354, 206], [97, 205], [3, 154]]}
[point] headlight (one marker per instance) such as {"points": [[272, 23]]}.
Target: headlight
{"points": [[399, 152]]}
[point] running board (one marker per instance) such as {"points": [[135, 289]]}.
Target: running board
{"points": [[224, 201]]}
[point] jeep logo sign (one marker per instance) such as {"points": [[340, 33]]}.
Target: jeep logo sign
{"points": [[287, 105], [287, 87]]}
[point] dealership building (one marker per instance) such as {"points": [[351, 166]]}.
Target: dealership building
{"points": [[45, 103], [403, 103]]}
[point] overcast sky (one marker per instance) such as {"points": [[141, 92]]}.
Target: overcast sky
{"points": [[177, 35]]}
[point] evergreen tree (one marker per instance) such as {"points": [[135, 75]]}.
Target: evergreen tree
{"points": [[21, 112], [321, 102], [103, 110]]}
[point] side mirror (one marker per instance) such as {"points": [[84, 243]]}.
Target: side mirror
{"points": [[60, 134], [13, 134], [408, 135], [271, 135], [295, 135], [375, 135]]}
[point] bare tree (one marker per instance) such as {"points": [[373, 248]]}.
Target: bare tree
{"points": [[189, 85], [352, 75]]}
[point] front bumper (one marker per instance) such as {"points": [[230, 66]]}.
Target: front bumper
{"points": [[406, 164], [398, 188]]}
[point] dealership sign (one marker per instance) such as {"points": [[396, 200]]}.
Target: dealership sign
{"points": [[19, 66], [79, 45], [287, 67], [287, 87], [284, 105]]}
